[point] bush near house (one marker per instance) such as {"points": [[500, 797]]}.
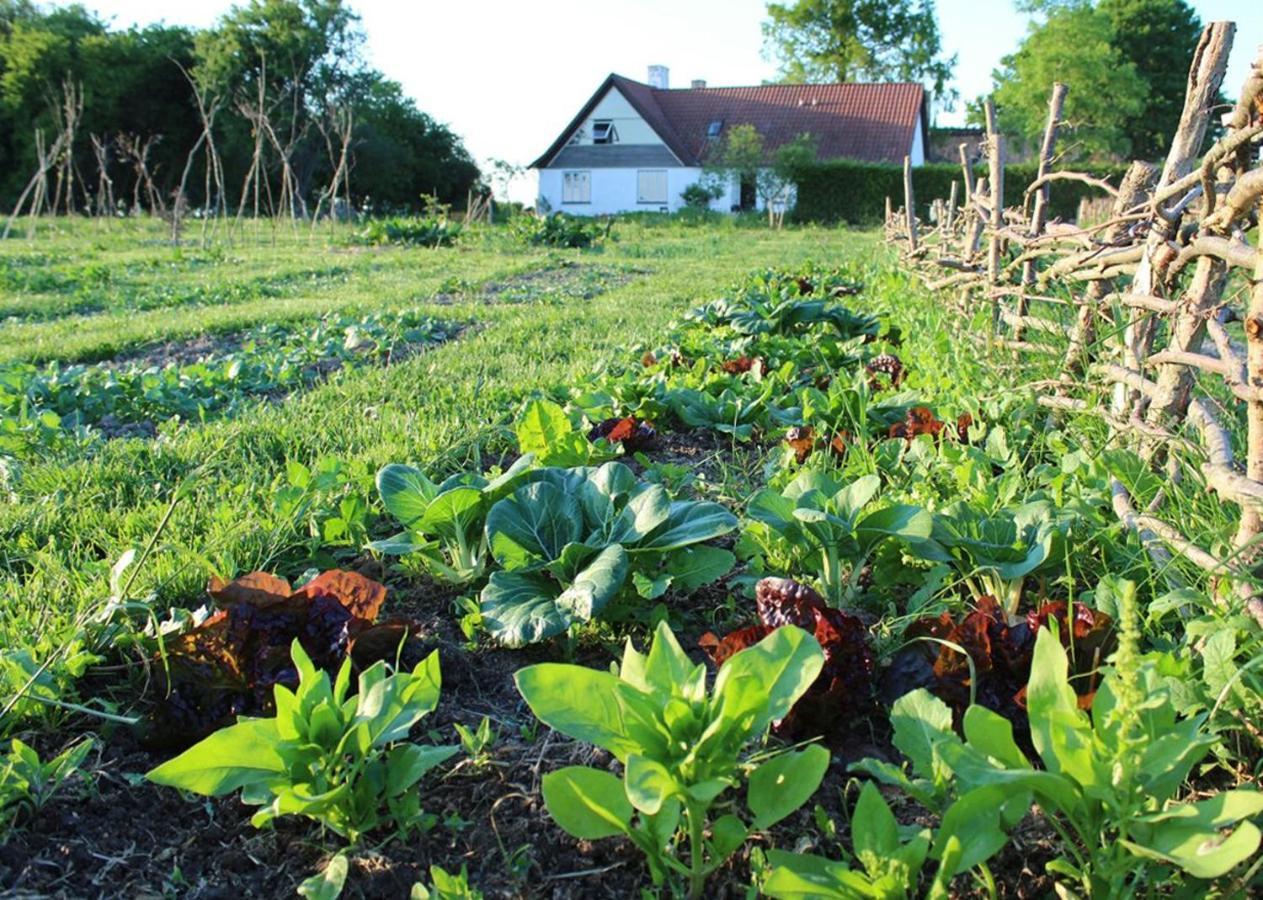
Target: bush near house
{"points": [[854, 192]]}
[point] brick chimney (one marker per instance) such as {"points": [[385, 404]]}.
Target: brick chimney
{"points": [[697, 84], [659, 77]]}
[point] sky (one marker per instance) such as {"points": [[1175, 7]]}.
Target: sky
{"points": [[508, 75]]}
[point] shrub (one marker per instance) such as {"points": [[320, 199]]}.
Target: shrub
{"points": [[847, 191], [409, 231], [559, 230]]}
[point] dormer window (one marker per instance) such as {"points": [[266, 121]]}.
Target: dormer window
{"points": [[603, 132], [712, 130]]}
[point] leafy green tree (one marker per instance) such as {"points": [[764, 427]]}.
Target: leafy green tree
{"points": [[307, 50], [857, 40], [1075, 44], [1159, 38]]}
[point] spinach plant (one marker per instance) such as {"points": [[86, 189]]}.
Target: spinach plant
{"points": [[571, 540], [343, 761], [681, 747], [818, 526], [443, 522]]}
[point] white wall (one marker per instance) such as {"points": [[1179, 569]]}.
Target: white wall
{"points": [[917, 153], [631, 128], [615, 191]]}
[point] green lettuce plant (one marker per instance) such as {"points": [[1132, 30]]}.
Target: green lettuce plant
{"points": [[818, 526], [341, 760], [571, 540], [682, 748], [443, 523]]}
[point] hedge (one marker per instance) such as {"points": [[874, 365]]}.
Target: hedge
{"points": [[855, 192]]}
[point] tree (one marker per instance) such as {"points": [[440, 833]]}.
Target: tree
{"points": [[1075, 44], [744, 157], [1159, 38], [857, 40]]}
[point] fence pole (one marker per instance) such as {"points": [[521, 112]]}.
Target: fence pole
{"points": [[909, 204]]}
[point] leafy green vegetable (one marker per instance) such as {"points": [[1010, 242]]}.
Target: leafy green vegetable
{"points": [[444, 523], [681, 747], [343, 761], [570, 538], [819, 526]]}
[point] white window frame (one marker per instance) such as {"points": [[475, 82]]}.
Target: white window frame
{"points": [[611, 133], [570, 181], [640, 187]]}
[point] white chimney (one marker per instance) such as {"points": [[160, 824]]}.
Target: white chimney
{"points": [[659, 77], [698, 84]]}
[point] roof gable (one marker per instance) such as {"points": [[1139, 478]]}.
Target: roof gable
{"points": [[868, 122]]}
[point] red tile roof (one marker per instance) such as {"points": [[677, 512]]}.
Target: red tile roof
{"points": [[868, 122]]}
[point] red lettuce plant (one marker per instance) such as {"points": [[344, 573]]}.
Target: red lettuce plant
{"points": [[1000, 651], [228, 665], [843, 690], [634, 434]]}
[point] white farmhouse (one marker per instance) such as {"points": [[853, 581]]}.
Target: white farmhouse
{"points": [[636, 146]]}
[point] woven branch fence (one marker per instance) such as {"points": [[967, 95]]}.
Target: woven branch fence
{"points": [[1152, 305]]}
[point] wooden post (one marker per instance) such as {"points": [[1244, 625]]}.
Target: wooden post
{"points": [[1056, 103], [952, 201], [1204, 80], [909, 204], [1134, 191], [995, 159]]}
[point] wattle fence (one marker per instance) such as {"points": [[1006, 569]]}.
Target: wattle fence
{"points": [[1155, 311]]}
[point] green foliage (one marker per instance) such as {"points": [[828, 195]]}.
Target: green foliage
{"points": [[559, 230], [1074, 45], [1108, 781], [857, 40], [443, 523], [44, 407], [827, 530], [891, 858], [446, 886], [133, 85], [570, 541], [340, 760], [700, 194], [411, 231], [998, 550], [546, 433], [681, 747], [27, 783], [1159, 38], [853, 192]]}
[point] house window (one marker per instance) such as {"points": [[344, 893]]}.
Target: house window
{"points": [[603, 132], [576, 187], [651, 186], [712, 130]]}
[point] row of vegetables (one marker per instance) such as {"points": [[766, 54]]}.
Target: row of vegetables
{"points": [[47, 407], [951, 571]]}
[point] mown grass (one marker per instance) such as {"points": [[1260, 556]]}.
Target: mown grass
{"points": [[208, 490]]}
